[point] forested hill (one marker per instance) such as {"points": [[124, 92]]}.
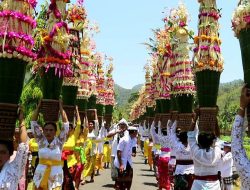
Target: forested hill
{"points": [[228, 98], [123, 94]]}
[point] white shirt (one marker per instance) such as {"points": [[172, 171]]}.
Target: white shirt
{"points": [[52, 151], [102, 134], [125, 146], [115, 141], [181, 153], [205, 163], [226, 166], [239, 153], [12, 171]]}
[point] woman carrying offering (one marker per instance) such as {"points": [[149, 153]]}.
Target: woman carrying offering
{"points": [[241, 161], [11, 172], [68, 155], [206, 154], [163, 139], [184, 171], [49, 173]]}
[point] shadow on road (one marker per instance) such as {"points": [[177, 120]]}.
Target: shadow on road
{"points": [[146, 170], [137, 163], [150, 184], [109, 186], [148, 175]]}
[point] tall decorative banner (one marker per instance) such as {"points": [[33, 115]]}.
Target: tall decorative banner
{"points": [[208, 63], [16, 43], [240, 25]]}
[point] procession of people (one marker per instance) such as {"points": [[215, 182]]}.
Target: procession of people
{"points": [[59, 122], [200, 161]]}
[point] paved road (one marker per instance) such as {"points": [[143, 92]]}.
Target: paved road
{"points": [[143, 178]]}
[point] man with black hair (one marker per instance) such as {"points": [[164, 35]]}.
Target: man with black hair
{"points": [[117, 133], [123, 159]]}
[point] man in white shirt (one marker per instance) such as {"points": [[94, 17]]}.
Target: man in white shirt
{"points": [[227, 167], [117, 133], [123, 160]]}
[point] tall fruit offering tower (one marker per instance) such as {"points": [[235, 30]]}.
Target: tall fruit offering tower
{"points": [[16, 41], [208, 63]]}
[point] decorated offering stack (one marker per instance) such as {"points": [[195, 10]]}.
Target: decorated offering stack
{"points": [[208, 64], [163, 65], [85, 64], [183, 87], [100, 86], [17, 24], [161, 52], [53, 62], [138, 110], [91, 111], [149, 95], [76, 19], [110, 95], [155, 89], [240, 25]]}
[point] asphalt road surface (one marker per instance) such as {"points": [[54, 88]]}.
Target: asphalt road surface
{"points": [[143, 178]]}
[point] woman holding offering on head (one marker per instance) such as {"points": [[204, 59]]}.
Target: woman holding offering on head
{"points": [[241, 161], [11, 172], [49, 173]]}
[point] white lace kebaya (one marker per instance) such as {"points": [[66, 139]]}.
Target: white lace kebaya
{"points": [[12, 171], [206, 163], [239, 154], [52, 151], [181, 153], [161, 139]]}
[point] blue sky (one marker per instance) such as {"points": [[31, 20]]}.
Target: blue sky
{"points": [[125, 24]]}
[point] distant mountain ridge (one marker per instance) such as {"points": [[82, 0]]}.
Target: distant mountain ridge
{"points": [[123, 94], [228, 90]]}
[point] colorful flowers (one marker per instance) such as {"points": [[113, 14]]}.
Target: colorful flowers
{"points": [[241, 17], [19, 16]]}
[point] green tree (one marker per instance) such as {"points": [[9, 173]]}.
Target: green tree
{"points": [[30, 96]]}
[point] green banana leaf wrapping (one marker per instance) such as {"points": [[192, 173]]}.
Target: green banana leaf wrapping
{"points": [[92, 102], [109, 109], [207, 84], [12, 75], [100, 109], [158, 108], [51, 84], [69, 94], [185, 103], [82, 104], [150, 111], [244, 39], [165, 105]]}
